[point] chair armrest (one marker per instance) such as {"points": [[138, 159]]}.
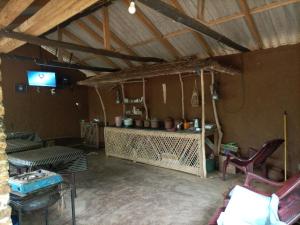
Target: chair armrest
{"points": [[232, 156], [251, 177], [252, 152]]}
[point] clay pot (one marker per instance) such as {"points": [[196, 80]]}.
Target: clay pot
{"points": [[169, 124], [154, 123], [118, 121], [146, 123], [186, 125], [139, 123]]}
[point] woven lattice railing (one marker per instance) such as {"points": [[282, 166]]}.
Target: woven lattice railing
{"points": [[173, 150]]}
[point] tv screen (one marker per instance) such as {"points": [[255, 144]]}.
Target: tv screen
{"points": [[41, 78]]}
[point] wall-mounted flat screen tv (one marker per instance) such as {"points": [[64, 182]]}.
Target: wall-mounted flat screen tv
{"points": [[41, 78]]}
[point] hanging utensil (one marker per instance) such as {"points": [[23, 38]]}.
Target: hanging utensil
{"points": [[195, 96]]}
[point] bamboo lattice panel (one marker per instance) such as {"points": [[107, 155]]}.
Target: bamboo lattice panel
{"points": [[90, 133], [178, 151]]}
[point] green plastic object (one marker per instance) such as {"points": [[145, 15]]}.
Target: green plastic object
{"points": [[210, 165]]}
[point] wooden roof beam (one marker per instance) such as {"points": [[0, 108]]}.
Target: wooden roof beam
{"points": [[97, 37], [250, 23], [113, 36], [200, 9], [196, 25], [155, 31], [12, 10], [77, 40], [52, 14], [199, 37], [106, 29], [60, 44]]}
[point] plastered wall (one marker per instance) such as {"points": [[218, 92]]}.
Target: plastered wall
{"points": [[251, 107], [49, 115]]}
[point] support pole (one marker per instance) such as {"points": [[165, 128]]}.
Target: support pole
{"points": [[123, 96], [220, 133], [144, 99], [102, 105], [182, 97], [285, 143], [203, 122]]}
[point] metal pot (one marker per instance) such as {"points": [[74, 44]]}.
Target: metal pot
{"points": [[154, 123], [128, 122], [169, 124], [118, 121]]}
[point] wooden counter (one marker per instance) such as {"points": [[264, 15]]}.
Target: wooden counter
{"points": [[174, 150]]}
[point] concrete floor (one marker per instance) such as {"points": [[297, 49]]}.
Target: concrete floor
{"points": [[116, 191]]}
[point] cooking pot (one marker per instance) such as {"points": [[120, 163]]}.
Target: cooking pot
{"points": [[154, 123], [128, 122], [169, 124], [118, 121]]}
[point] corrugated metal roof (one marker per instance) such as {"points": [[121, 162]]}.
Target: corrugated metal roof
{"points": [[277, 26]]}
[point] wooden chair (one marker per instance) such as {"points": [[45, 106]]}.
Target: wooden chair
{"points": [[288, 193], [258, 159]]}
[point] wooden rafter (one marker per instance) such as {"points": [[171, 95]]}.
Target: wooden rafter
{"points": [[12, 10], [93, 34], [59, 38], [114, 37], [106, 29], [220, 20], [250, 23], [187, 66], [200, 9], [77, 40], [155, 31], [201, 40], [46, 63], [175, 14], [52, 14]]}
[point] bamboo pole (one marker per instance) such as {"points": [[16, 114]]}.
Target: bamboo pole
{"points": [[285, 143], [123, 96], [144, 99], [203, 122], [102, 105], [220, 133], [182, 96]]}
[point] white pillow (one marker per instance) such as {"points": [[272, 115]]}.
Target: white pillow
{"points": [[247, 208]]}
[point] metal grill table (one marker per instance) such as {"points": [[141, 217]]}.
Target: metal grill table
{"points": [[57, 158], [19, 145]]}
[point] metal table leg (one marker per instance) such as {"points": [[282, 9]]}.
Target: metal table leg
{"points": [[73, 205], [20, 216], [46, 215], [74, 184]]}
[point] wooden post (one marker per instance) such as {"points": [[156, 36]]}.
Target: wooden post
{"points": [[123, 96], [5, 210], [220, 133], [102, 105], [144, 99], [182, 97], [203, 121], [285, 143]]}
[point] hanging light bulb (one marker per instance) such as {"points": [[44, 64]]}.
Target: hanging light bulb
{"points": [[131, 8]]}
